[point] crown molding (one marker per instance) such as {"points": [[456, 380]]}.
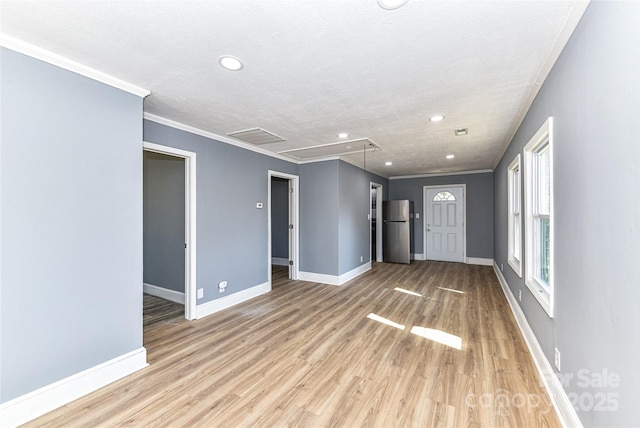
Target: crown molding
{"points": [[221, 138], [49, 57], [441, 174], [228, 140], [567, 30]]}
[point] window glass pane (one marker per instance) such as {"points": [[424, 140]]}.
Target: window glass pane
{"points": [[516, 191], [444, 196], [516, 237], [514, 234], [542, 260], [542, 181]]}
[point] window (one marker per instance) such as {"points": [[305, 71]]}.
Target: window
{"points": [[444, 196], [514, 219], [538, 191]]}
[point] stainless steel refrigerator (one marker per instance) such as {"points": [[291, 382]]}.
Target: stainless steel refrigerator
{"points": [[396, 232]]}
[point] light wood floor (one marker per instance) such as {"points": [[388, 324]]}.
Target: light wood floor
{"points": [[316, 355], [156, 310]]}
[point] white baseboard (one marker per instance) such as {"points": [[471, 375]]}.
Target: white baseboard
{"points": [[279, 261], [346, 277], [319, 277], [334, 279], [468, 260], [230, 300], [479, 261], [163, 293], [29, 406], [562, 404]]}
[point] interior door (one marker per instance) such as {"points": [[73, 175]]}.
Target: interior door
{"points": [[444, 223]]}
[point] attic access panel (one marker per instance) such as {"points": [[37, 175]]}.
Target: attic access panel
{"points": [[332, 149]]}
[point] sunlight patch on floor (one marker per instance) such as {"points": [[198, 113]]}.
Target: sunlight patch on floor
{"points": [[428, 333], [438, 336], [413, 293], [451, 289], [386, 321]]}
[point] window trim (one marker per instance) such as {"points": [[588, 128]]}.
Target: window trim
{"points": [[515, 263], [542, 293]]}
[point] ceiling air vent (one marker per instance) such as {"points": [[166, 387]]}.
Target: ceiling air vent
{"points": [[256, 136]]}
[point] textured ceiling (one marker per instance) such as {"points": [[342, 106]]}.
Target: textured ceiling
{"points": [[315, 68]]}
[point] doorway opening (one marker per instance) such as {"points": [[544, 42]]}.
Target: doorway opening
{"points": [[283, 214], [375, 217], [169, 188], [445, 223]]}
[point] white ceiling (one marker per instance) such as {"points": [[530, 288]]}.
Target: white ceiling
{"points": [[315, 68]]}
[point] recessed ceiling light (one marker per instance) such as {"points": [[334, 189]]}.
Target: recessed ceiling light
{"points": [[450, 156], [391, 4], [230, 63], [388, 163], [461, 131], [343, 135], [436, 118]]}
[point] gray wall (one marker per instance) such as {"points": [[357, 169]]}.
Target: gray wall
{"points": [[71, 223], [319, 217], [163, 220], [479, 208], [592, 93], [232, 235], [279, 218], [354, 189], [335, 231]]}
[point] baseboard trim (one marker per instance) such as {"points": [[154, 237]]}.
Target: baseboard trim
{"points": [[43, 400], [232, 299], [334, 279], [479, 261], [354, 273], [163, 293], [418, 256], [562, 404], [279, 261], [322, 278]]}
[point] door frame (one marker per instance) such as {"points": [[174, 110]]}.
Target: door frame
{"points": [[294, 214], [378, 188], [190, 257], [464, 216]]}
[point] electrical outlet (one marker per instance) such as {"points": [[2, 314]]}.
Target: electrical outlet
{"points": [[361, 258], [200, 293], [222, 285], [520, 295], [501, 267], [556, 361], [417, 215]]}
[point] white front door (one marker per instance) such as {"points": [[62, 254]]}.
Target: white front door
{"points": [[444, 223]]}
